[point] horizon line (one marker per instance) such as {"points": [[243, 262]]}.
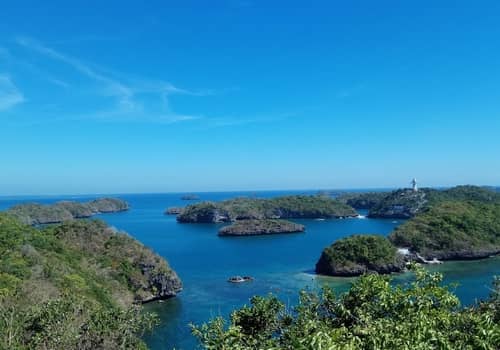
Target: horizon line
{"points": [[343, 189]]}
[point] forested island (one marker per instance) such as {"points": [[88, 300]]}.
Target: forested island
{"points": [[77, 285], [358, 254], [39, 214], [287, 207], [260, 227]]}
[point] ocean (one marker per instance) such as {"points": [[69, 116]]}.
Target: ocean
{"points": [[280, 264]]}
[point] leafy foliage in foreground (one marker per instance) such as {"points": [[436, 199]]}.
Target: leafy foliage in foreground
{"points": [[373, 314], [72, 286]]}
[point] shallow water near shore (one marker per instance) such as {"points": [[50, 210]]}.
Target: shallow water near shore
{"points": [[280, 264]]}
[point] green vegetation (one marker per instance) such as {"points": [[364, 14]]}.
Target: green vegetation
{"points": [[38, 214], [355, 255], [365, 200], [74, 286], [286, 207], [373, 314], [453, 230], [260, 227], [465, 193]]}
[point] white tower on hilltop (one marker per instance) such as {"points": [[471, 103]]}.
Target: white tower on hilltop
{"points": [[414, 185]]}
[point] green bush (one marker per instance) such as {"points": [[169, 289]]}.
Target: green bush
{"points": [[373, 314]]}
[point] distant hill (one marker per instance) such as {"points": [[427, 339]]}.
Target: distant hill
{"points": [[286, 207], [39, 214], [74, 286], [405, 203], [364, 200]]}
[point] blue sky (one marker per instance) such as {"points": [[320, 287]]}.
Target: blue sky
{"points": [[120, 96]]}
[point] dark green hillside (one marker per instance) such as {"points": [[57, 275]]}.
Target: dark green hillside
{"points": [[365, 200], [453, 230], [74, 286]]}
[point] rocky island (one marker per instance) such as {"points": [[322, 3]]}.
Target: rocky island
{"points": [[359, 254], [260, 227], [78, 285], [40, 214], [287, 207]]}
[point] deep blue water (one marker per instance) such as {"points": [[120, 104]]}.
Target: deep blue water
{"points": [[281, 264]]}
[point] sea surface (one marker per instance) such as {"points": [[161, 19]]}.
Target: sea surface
{"points": [[280, 264]]}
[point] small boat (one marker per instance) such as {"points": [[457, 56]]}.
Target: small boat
{"points": [[320, 219], [239, 279]]}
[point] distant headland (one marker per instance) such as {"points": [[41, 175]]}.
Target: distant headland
{"points": [[39, 214]]}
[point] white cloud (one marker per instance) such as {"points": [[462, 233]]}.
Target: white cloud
{"points": [[128, 93], [10, 95]]}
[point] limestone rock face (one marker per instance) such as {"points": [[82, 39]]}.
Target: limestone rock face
{"points": [[160, 284]]}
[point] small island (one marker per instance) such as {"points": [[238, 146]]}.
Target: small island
{"points": [[260, 227], [190, 197], [40, 214], [286, 207], [359, 254]]}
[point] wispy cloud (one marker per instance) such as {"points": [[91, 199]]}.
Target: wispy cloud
{"points": [[10, 95], [126, 92]]}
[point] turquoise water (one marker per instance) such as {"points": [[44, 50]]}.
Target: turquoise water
{"points": [[281, 264]]}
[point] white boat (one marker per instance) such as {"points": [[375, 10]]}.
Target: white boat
{"points": [[239, 279]]}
